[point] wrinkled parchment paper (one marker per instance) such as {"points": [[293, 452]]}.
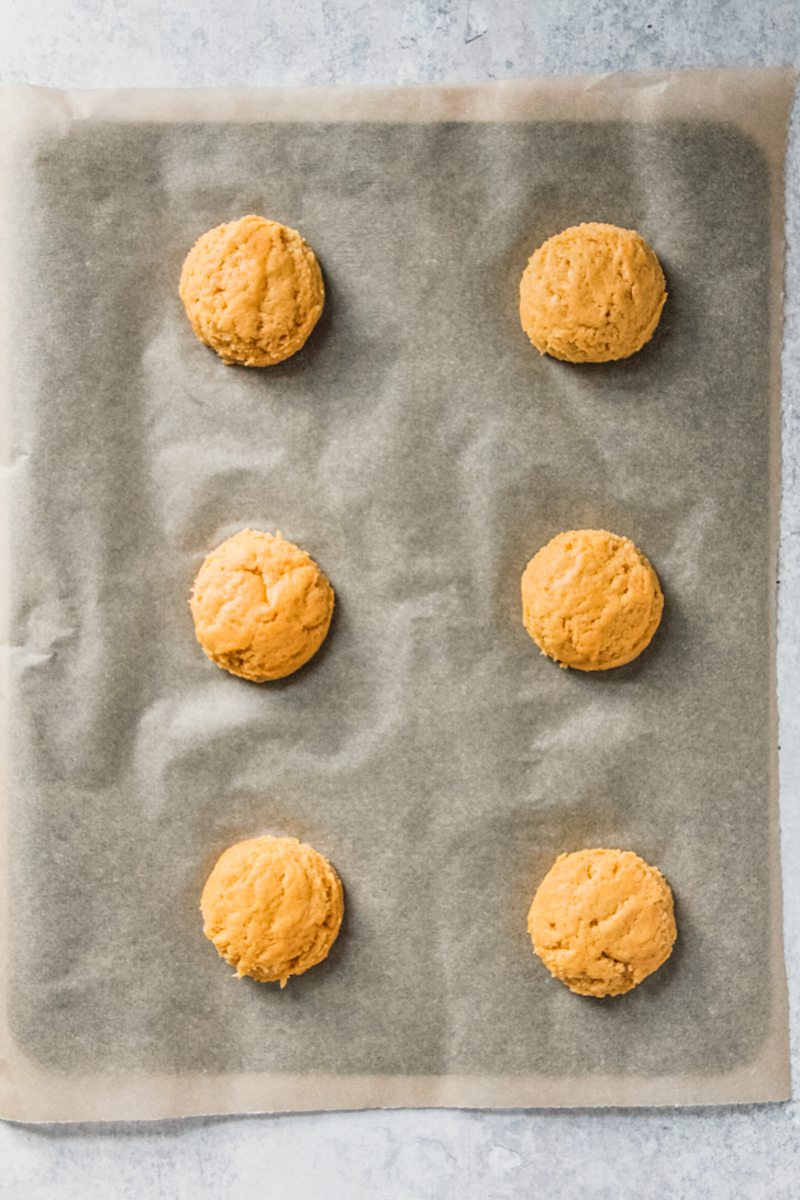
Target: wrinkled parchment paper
{"points": [[421, 450]]}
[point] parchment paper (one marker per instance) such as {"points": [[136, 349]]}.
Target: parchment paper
{"points": [[421, 450]]}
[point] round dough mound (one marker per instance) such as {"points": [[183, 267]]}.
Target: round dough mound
{"points": [[272, 907], [593, 293], [591, 600], [252, 290], [261, 606], [602, 921]]}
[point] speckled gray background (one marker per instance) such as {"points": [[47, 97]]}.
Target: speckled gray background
{"points": [[712, 1153]]}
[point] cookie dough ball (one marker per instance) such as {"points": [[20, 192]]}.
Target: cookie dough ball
{"points": [[252, 290], [602, 921], [261, 606], [591, 600], [272, 907], [593, 293]]}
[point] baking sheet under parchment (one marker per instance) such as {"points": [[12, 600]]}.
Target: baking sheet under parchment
{"points": [[421, 450]]}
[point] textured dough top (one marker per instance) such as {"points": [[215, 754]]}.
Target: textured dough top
{"points": [[272, 907], [602, 921], [261, 606], [593, 293], [591, 600], [252, 290]]}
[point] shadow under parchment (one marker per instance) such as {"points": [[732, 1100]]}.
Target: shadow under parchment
{"points": [[421, 451]]}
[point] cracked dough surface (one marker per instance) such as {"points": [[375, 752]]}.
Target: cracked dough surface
{"points": [[261, 606], [602, 921], [252, 290], [591, 600], [592, 293], [272, 907]]}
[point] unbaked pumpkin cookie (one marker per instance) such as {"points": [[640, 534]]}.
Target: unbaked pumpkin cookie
{"points": [[261, 606], [272, 907], [591, 600], [602, 921], [592, 293], [252, 290]]}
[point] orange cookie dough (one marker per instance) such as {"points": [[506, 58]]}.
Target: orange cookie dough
{"points": [[591, 600], [252, 290], [593, 293], [261, 606], [602, 921], [272, 907]]}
